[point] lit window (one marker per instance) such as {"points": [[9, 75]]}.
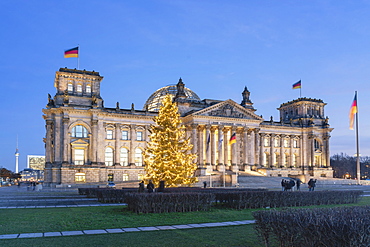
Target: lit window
{"points": [[295, 144], [110, 134], [140, 176], [80, 177], [286, 143], [125, 177], [138, 157], [276, 142], [124, 157], [266, 142], [108, 156], [70, 87], [88, 89], [79, 156], [79, 88], [79, 131], [139, 136], [266, 158], [124, 135]]}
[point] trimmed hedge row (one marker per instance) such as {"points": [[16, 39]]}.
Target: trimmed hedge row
{"points": [[330, 227], [169, 202], [274, 199]]}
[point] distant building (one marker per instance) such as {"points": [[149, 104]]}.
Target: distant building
{"points": [[86, 142], [29, 174], [36, 162]]}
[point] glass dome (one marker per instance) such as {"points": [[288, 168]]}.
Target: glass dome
{"points": [[155, 100]]}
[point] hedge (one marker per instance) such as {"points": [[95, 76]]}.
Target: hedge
{"points": [[330, 227]]}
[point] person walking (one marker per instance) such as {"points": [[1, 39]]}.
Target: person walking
{"points": [[299, 184]]}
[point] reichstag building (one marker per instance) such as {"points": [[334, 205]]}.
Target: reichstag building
{"points": [[87, 142]]}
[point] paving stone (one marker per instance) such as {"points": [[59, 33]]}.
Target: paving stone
{"points": [[71, 233], [94, 231], [230, 223], [30, 235], [131, 229], [117, 230], [52, 234], [9, 236], [148, 228], [214, 224], [182, 226], [165, 227]]}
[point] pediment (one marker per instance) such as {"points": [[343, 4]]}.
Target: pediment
{"points": [[79, 142], [228, 109]]}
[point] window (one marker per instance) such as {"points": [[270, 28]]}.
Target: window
{"points": [[80, 177], [79, 156], [276, 143], [88, 89], [110, 134], [70, 87], [139, 136], [295, 143], [124, 157], [79, 88], [286, 162], [79, 131], [140, 176], [110, 177], [124, 135], [125, 177], [266, 142], [266, 158], [317, 145], [138, 157], [286, 143], [108, 156]]}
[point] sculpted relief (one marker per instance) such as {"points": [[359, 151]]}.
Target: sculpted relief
{"points": [[227, 111]]}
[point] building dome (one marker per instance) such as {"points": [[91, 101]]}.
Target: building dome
{"points": [[154, 101]]}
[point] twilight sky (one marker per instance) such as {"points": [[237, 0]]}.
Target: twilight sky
{"points": [[216, 46]]}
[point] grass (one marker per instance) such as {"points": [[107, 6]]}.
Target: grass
{"points": [[86, 218]]}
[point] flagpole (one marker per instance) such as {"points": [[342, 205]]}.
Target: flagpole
{"points": [[357, 146], [300, 89]]}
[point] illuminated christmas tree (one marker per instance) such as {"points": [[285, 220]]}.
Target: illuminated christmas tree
{"points": [[168, 156]]}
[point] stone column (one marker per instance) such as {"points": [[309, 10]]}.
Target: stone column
{"points": [[282, 151], [272, 153], [117, 143], [201, 145], [226, 144], [65, 149], [213, 146], [262, 147], [220, 144], [208, 145], [257, 146], [234, 147], [245, 145], [326, 150], [48, 143], [194, 141], [93, 141], [58, 140], [131, 160], [291, 145]]}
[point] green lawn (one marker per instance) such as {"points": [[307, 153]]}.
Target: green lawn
{"points": [[85, 218]]}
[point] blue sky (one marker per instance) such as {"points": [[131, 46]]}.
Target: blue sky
{"points": [[216, 47]]}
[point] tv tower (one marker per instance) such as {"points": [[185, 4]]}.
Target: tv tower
{"points": [[16, 157]]}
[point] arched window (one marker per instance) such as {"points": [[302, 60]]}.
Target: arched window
{"points": [[108, 156], [138, 157], [79, 131], [124, 157], [317, 145]]}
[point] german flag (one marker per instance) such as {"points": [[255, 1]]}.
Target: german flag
{"points": [[232, 139], [297, 85], [71, 52], [352, 112]]}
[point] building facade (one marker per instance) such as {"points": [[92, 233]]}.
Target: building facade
{"points": [[86, 142]]}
